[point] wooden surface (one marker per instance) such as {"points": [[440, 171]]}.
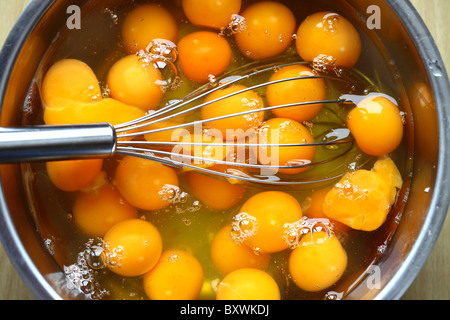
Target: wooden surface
{"points": [[433, 282]]}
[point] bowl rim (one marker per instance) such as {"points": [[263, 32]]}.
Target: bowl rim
{"points": [[440, 201]]}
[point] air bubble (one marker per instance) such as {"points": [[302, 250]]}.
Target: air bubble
{"points": [[294, 232], [236, 25], [243, 226]]}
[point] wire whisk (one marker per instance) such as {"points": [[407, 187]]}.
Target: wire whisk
{"points": [[336, 151]]}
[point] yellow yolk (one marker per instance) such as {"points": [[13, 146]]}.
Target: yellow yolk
{"points": [[107, 110], [145, 183], [69, 79], [362, 199], [376, 123], [227, 255], [260, 221], [296, 91], [134, 247], [136, 83], [214, 193], [74, 175], [285, 131], [96, 211], [203, 55], [211, 13], [318, 262], [269, 29], [330, 34], [145, 23], [239, 126], [248, 284], [177, 276]]}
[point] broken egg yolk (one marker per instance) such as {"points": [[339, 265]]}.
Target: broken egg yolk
{"points": [[362, 199]]}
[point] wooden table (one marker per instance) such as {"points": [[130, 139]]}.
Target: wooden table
{"points": [[433, 282]]}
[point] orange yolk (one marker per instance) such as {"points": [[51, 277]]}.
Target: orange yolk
{"points": [[71, 95], [145, 183], [239, 126], [376, 123], [214, 193], [74, 175], [69, 79], [177, 276], [285, 131], [96, 211], [330, 34], [227, 255], [318, 262], [312, 208], [203, 55], [260, 221], [269, 30], [214, 14], [146, 23], [296, 91], [134, 246], [248, 284], [136, 83], [362, 199]]}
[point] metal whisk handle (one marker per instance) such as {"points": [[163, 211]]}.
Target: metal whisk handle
{"points": [[59, 142]]}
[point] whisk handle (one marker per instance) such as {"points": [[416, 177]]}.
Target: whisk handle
{"points": [[58, 142]]}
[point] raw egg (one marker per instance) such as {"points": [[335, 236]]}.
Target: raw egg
{"points": [[261, 219], [269, 29], [214, 14], [330, 34], [145, 23], [377, 125], [228, 255], [178, 275], [203, 55], [296, 91], [136, 83], [248, 284], [146, 184], [134, 246]]}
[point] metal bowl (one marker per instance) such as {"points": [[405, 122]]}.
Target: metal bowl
{"points": [[426, 87]]}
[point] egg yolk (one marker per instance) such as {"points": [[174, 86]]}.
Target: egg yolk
{"points": [[72, 95], [330, 34], [312, 208], [285, 131], [236, 127], [134, 246], [248, 284], [377, 125], [107, 110], [214, 14], [145, 183], [318, 262], [227, 255], [177, 276], [296, 91], [269, 29], [96, 211], [260, 221], [136, 83], [69, 79], [203, 55], [214, 193], [362, 199], [74, 175], [145, 23]]}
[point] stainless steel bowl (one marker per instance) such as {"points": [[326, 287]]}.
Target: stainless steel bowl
{"points": [[426, 87]]}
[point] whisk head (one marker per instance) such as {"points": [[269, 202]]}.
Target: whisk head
{"points": [[177, 135]]}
